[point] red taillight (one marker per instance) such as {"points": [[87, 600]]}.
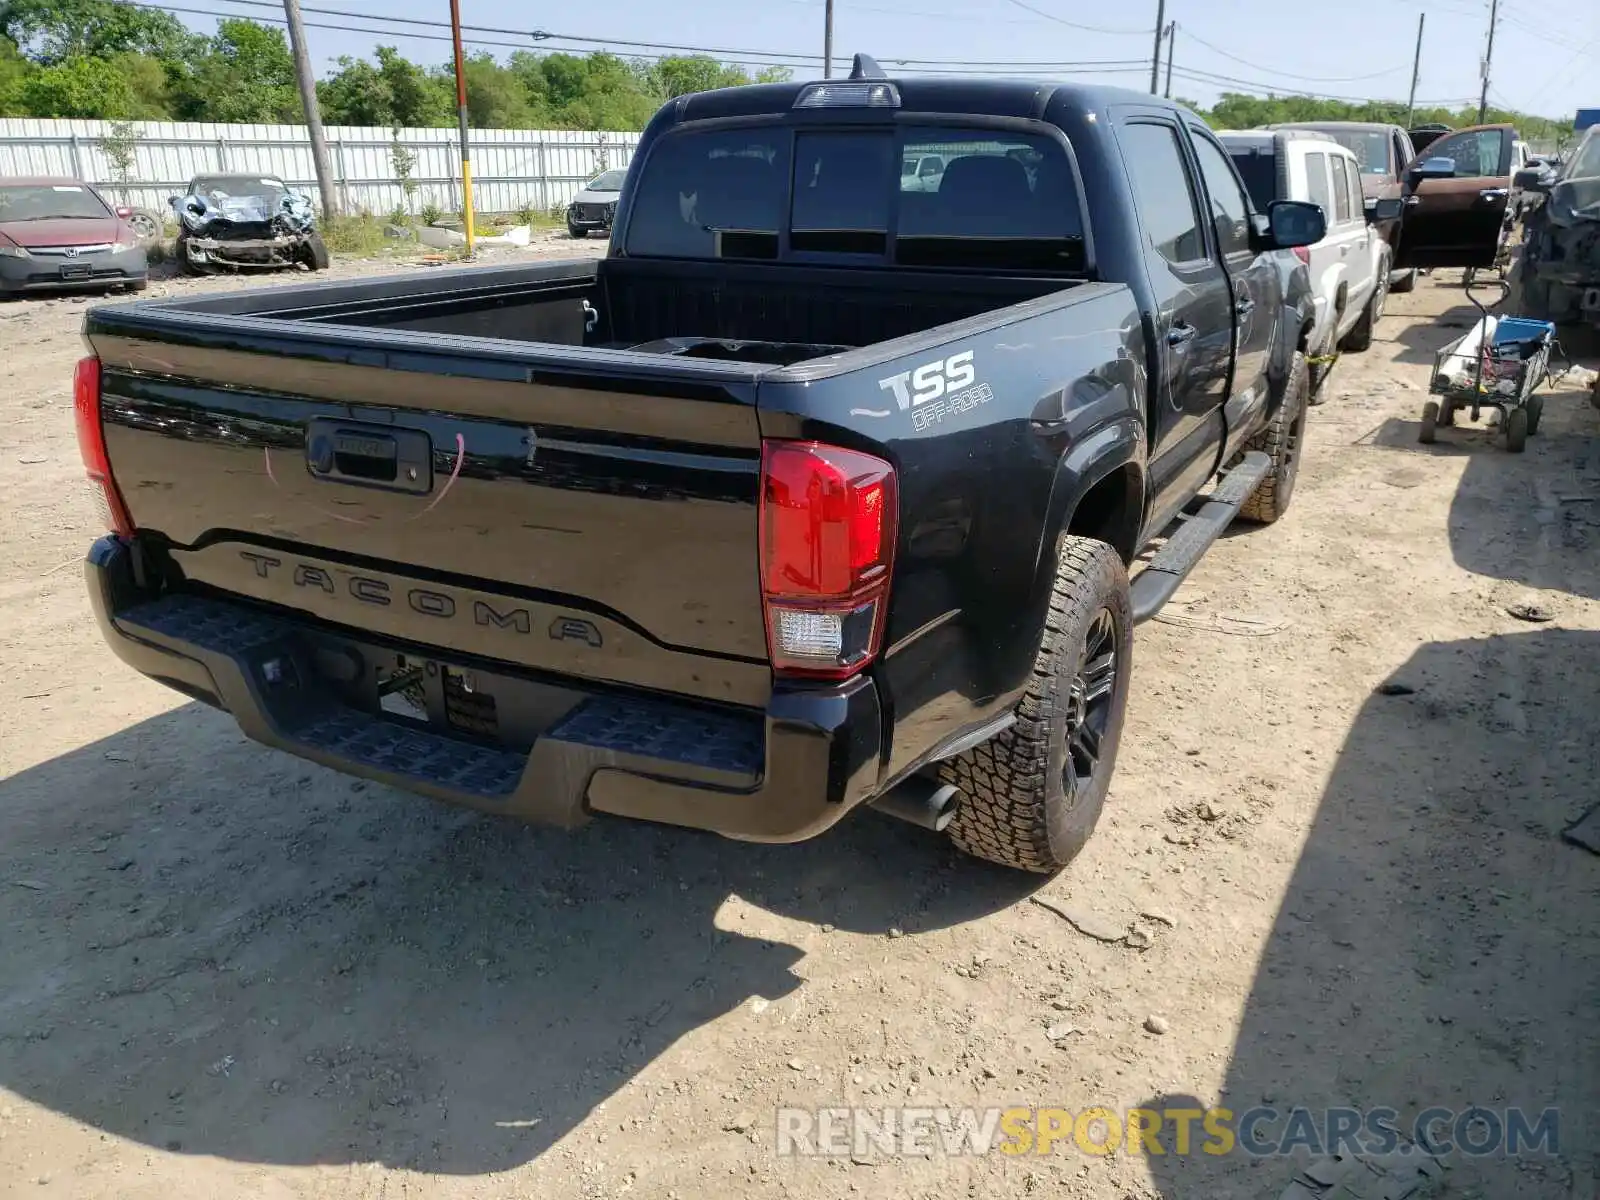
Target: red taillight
{"points": [[1303, 253], [827, 533], [92, 445]]}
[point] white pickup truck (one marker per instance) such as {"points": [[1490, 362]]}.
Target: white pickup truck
{"points": [[1349, 268]]}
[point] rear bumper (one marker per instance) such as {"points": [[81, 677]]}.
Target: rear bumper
{"points": [[779, 776]]}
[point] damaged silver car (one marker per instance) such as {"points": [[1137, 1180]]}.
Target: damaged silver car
{"points": [[249, 221], [1557, 275]]}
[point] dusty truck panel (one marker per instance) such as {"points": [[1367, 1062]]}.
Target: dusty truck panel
{"points": [[788, 505]]}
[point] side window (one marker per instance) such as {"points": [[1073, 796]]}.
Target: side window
{"points": [[1358, 203], [1476, 151], [1163, 191], [1230, 211], [1341, 189], [1317, 184]]}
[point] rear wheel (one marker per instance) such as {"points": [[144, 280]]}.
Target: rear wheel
{"points": [[1360, 336], [1535, 411], [1517, 430], [1282, 441], [1031, 796], [1405, 283]]}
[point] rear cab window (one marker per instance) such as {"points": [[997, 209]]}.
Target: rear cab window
{"points": [[916, 196], [1259, 170]]}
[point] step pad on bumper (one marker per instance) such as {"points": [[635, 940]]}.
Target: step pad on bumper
{"points": [[720, 749]]}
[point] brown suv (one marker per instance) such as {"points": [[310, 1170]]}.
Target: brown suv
{"points": [[1384, 152]]}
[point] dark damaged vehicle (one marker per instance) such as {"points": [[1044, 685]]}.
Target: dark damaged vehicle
{"points": [[821, 489], [250, 221], [1557, 273]]}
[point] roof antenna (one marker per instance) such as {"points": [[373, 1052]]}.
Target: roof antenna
{"points": [[866, 67]]}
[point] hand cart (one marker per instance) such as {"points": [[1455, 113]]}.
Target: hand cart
{"points": [[1497, 364]]}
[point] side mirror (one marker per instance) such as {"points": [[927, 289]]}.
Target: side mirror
{"points": [[1292, 223], [1435, 168], [124, 212], [1530, 179], [1380, 211], [172, 201]]}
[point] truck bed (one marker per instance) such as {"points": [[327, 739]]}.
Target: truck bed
{"points": [[713, 311]]}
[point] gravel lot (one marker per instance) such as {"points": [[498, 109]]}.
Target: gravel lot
{"points": [[1335, 830]]}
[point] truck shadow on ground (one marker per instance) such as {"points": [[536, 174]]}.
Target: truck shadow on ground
{"points": [[1437, 943], [1419, 341], [217, 949]]}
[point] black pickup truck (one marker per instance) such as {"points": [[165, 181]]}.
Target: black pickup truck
{"points": [[820, 489]]}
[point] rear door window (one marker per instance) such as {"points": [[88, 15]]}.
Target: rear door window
{"points": [[1341, 189], [1164, 191], [1317, 184], [1477, 152]]}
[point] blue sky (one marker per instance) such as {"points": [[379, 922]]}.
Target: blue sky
{"points": [[1349, 48]]}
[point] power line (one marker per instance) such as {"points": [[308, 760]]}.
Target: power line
{"points": [[1273, 89], [540, 36], [1194, 37], [1039, 12]]}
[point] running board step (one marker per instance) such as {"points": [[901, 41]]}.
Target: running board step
{"points": [[1171, 564]]}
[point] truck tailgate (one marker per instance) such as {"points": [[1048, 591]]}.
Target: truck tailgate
{"points": [[594, 519]]}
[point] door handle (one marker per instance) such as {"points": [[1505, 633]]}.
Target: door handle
{"points": [[1413, 201], [1493, 194], [1181, 334], [1245, 307], [1344, 251]]}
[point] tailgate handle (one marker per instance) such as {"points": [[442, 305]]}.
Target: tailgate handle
{"points": [[370, 455]]}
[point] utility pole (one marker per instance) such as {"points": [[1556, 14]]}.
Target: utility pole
{"points": [[827, 41], [1416, 69], [1155, 59], [1172, 33], [1488, 62], [461, 120], [308, 99]]}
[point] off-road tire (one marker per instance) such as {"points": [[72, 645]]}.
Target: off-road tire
{"points": [[315, 253], [1405, 283], [137, 285], [574, 232], [1014, 808], [1283, 441], [1360, 336], [1517, 430]]}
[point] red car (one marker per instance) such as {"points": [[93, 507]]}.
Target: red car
{"points": [[58, 232]]}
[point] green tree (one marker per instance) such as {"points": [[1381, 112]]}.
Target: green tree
{"points": [[53, 31], [496, 98], [681, 75], [14, 71], [245, 75], [392, 92], [78, 87]]}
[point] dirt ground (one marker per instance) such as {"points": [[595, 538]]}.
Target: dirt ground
{"points": [[1335, 828]]}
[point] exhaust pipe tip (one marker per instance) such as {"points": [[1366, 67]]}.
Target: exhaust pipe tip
{"points": [[925, 803]]}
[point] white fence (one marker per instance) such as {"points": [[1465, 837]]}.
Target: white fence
{"points": [[511, 168]]}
